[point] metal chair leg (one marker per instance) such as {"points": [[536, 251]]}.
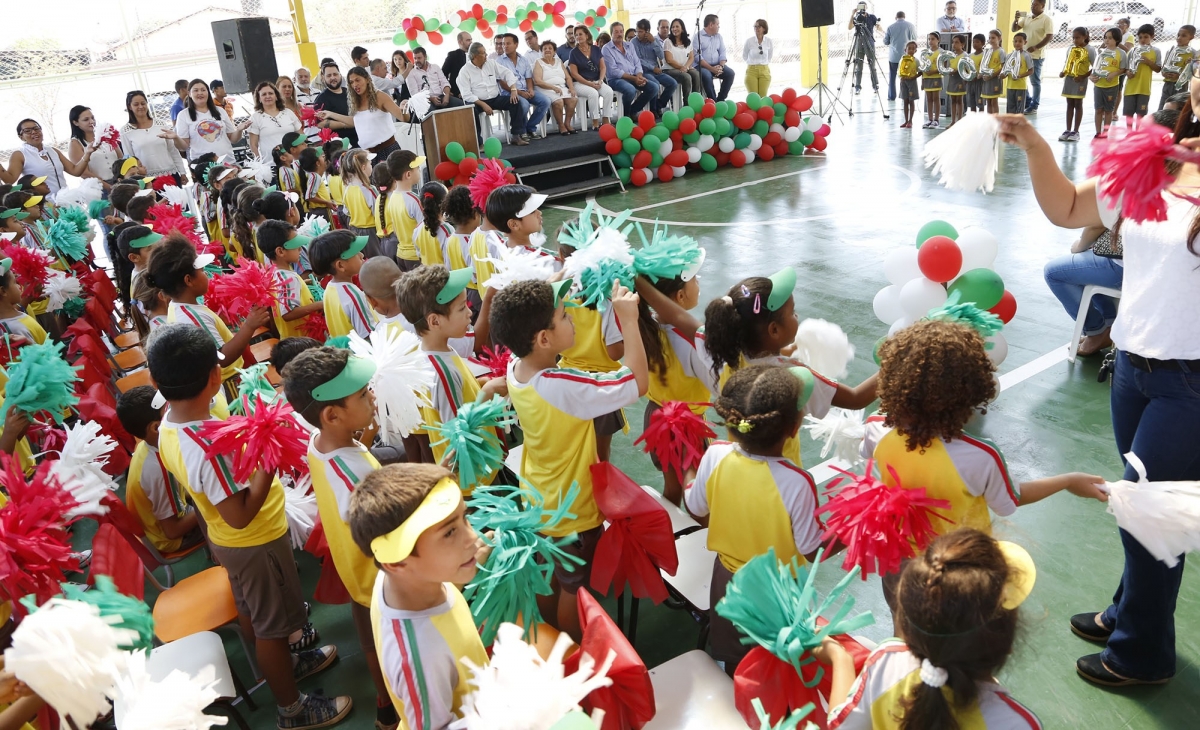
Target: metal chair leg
{"points": [[631, 633], [232, 711], [241, 690]]}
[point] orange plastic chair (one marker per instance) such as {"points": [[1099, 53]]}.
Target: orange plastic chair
{"points": [[127, 360], [261, 351], [202, 602], [133, 380], [127, 340]]}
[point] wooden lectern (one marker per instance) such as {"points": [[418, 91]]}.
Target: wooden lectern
{"points": [[444, 126]]}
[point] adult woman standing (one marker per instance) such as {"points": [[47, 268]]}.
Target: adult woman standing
{"points": [[588, 71], [371, 114], [105, 151], [757, 52], [270, 121], [681, 59], [34, 159], [203, 127], [287, 95], [1155, 391], [150, 141], [550, 74]]}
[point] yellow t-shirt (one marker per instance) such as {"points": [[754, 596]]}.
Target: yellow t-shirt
{"points": [[403, 214], [152, 495], [1183, 56], [336, 189], [1019, 84], [429, 246], [347, 310], [25, 326], [686, 374], [908, 67], [1139, 84], [594, 332], [293, 293], [455, 385], [1113, 66], [932, 72], [335, 476], [484, 245], [457, 256], [207, 320], [360, 205], [977, 59]]}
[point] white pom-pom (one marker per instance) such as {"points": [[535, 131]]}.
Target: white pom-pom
{"points": [[419, 104], [85, 192], [300, 507], [80, 467], [824, 347], [964, 156], [258, 169], [59, 288], [68, 655], [313, 226], [607, 244], [176, 195], [517, 690], [519, 264], [176, 702], [842, 433], [401, 383], [1163, 516]]}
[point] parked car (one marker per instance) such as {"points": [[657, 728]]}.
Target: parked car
{"points": [[1100, 16]]}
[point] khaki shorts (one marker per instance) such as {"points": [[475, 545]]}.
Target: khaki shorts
{"points": [[585, 548], [266, 586]]}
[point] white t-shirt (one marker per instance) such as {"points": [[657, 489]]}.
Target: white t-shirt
{"points": [[205, 134], [159, 156], [270, 130]]}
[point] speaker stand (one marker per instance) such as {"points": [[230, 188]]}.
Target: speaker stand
{"points": [[823, 91]]}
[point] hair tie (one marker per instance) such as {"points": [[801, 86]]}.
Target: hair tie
{"points": [[744, 426], [428, 196], [757, 303], [933, 676], [727, 300]]}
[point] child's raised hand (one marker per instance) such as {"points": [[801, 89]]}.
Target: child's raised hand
{"points": [[829, 651], [625, 304], [258, 317], [1087, 486], [16, 421]]}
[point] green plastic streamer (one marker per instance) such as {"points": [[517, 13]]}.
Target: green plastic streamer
{"points": [[73, 308], [96, 209], [63, 237], [314, 288], [664, 255], [41, 380], [131, 614], [791, 722], [471, 439], [982, 321], [76, 216], [253, 383]]}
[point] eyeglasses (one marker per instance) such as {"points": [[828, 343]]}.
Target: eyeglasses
{"points": [[27, 130]]}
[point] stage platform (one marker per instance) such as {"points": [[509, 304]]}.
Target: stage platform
{"points": [[563, 167]]}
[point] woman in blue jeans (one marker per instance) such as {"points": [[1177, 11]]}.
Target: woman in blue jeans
{"points": [[1155, 393], [1068, 275]]}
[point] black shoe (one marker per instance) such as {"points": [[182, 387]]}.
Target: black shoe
{"points": [[313, 661], [1092, 669], [1084, 626]]}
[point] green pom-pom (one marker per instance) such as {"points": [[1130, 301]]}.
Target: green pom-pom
{"points": [[253, 384], [341, 342], [96, 209], [72, 308], [314, 288], [980, 320], [791, 722], [64, 239], [472, 443], [522, 560], [602, 254], [41, 380], [131, 614], [775, 605], [76, 216], [665, 255]]}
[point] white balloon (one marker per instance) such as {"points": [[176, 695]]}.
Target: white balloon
{"points": [[919, 296], [749, 153], [666, 148], [694, 154], [792, 134], [978, 248], [900, 265], [899, 325], [997, 348], [706, 142], [778, 129], [726, 145], [812, 124], [887, 304], [679, 171], [755, 143]]}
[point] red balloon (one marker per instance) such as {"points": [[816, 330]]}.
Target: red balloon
{"points": [[791, 119], [766, 113], [687, 126], [665, 173], [462, 180], [560, 6], [802, 103], [477, 10], [590, 21], [1007, 308], [940, 259], [607, 132], [533, 15], [776, 99], [406, 24], [638, 133], [678, 158], [435, 38], [823, 131], [602, 11], [818, 144], [525, 25], [487, 32], [765, 153], [463, 15], [772, 139], [559, 21], [789, 95], [548, 8], [709, 110], [677, 140], [642, 160], [781, 149], [645, 120], [613, 146], [411, 34], [742, 107], [737, 158], [418, 24], [639, 177], [745, 120], [502, 10], [468, 166], [446, 170], [501, 18], [722, 158]]}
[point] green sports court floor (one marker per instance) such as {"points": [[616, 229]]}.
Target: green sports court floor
{"points": [[833, 218]]}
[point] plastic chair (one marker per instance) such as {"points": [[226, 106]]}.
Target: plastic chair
{"points": [[201, 602], [692, 693], [120, 517], [1089, 291], [133, 380], [191, 655], [681, 522], [127, 340], [261, 351], [693, 579], [126, 361]]}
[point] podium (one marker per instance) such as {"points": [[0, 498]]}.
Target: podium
{"points": [[443, 126]]}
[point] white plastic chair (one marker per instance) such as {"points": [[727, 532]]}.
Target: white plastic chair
{"points": [[1089, 291], [681, 522], [692, 693], [692, 581], [513, 460]]}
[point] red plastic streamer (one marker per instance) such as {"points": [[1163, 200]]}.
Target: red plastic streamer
{"points": [[250, 285], [1132, 167], [492, 174], [269, 439], [315, 326], [30, 266], [496, 360], [638, 541], [35, 548], [166, 218], [676, 437]]}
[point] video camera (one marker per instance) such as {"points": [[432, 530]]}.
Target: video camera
{"points": [[861, 16]]}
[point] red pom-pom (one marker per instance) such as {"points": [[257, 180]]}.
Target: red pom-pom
{"points": [[250, 285], [35, 548], [269, 439], [1132, 167], [676, 437], [880, 526], [30, 266], [496, 360], [315, 326], [165, 218], [491, 175]]}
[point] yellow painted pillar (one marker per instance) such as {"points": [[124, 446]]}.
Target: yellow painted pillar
{"points": [[810, 55], [306, 49], [1005, 10], [618, 14]]}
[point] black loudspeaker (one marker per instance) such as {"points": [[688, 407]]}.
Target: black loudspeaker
{"points": [[245, 53], [815, 14]]}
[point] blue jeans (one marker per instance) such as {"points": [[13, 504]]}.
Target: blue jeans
{"points": [[1035, 97], [726, 83], [1156, 415], [893, 67], [635, 98], [1068, 275], [667, 86], [540, 105]]}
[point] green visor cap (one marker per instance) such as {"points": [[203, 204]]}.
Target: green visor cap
{"points": [[458, 280], [353, 378], [297, 242], [147, 240], [562, 289], [807, 381], [13, 213], [356, 247], [5, 266], [302, 139], [783, 283]]}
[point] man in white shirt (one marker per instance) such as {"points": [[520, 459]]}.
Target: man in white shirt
{"points": [[950, 22], [479, 83], [664, 31], [534, 48], [304, 90], [380, 79], [425, 75]]}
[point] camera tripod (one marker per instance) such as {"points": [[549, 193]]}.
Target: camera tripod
{"points": [[824, 92], [864, 41]]}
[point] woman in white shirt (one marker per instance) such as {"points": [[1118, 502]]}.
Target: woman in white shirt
{"points": [[550, 74], [371, 114], [1155, 398], [269, 122], [681, 60], [203, 127], [757, 53], [287, 95], [34, 158], [105, 150], [150, 141]]}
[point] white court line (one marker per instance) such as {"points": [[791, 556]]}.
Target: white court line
{"points": [[746, 184]]}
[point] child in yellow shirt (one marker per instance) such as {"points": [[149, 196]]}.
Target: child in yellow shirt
{"points": [[403, 211], [339, 254], [358, 198], [909, 91], [280, 245], [1017, 68], [1137, 89], [931, 82]]}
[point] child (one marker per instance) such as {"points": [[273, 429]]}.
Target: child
{"points": [[358, 198], [280, 244], [278, 206], [1107, 74], [136, 242], [1183, 54], [751, 326], [757, 498], [128, 167], [176, 269], [956, 86], [247, 215], [412, 519], [957, 627], [931, 82], [514, 212], [13, 321], [247, 528], [151, 308], [150, 492], [1075, 85], [287, 350], [295, 143], [975, 85], [340, 254], [993, 84], [430, 237], [312, 181], [381, 179], [459, 211], [286, 179], [909, 91], [556, 408], [1017, 68], [404, 208], [333, 153], [1137, 90], [329, 388]]}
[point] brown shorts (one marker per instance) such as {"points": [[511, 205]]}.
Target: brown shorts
{"points": [[722, 634], [584, 547], [266, 586], [609, 423]]}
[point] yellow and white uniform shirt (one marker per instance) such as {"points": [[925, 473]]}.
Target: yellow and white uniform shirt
{"points": [[430, 246], [595, 330], [293, 293], [688, 376], [456, 251], [153, 495], [485, 245], [455, 385], [1015, 81], [347, 310], [402, 214], [359, 201], [335, 476], [24, 326], [1113, 66], [1139, 84], [207, 320]]}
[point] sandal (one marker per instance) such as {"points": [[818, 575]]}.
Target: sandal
{"points": [[308, 638], [1084, 626], [1092, 668]]}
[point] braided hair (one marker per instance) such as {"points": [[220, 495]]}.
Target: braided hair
{"points": [[736, 324], [433, 194], [759, 405]]}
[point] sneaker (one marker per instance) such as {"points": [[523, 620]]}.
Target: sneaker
{"points": [[528, 136], [926, 124], [315, 711], [857, 90], [308, 638], [1074, 137], [1064, 136], [1031, 110], [312, 661], [935, 124]]}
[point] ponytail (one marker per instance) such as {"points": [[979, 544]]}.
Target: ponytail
{"points": [[244, 212], [734, 324], [433, 194], [654, 339]]}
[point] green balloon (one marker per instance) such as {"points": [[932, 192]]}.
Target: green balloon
{"points": [[623, 172], [707, 126], [489, 16], [399, 39], [650, 143], [600, 21], [708, 163], [687, 113], [696, 101], [982, 287], [446, 29], [467, 25], [491, 148], [670, 120], [622, 160], [472, 155], [806, 138], [731, 111], [724, 127], [624, 127], [579, 16], [754, 101], [656, 161], [760, 128], [631, 145], [937, 228], [721, 109], [742, 141], [660, 131], [521, 13], [795, 148], [692, 138], [875, 349], [780, 109], [455, 152]]}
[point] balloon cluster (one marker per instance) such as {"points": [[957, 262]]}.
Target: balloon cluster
{"points": [[709, 134], [945, 262], [460, 165], [532, 16], [411, 30]]}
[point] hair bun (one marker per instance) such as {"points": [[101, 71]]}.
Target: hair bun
{"points": [[258, 205]]}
